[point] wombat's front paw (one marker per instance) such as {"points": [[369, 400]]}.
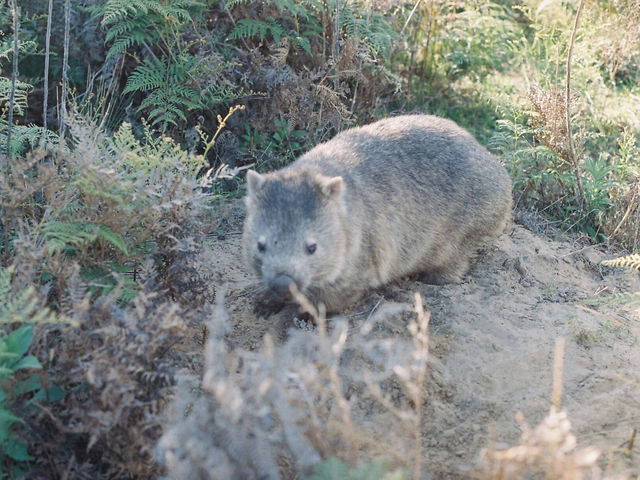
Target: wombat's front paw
{"points": [[304, 321]]}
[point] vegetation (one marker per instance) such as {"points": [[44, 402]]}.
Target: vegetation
{"points": [[103, 209]]}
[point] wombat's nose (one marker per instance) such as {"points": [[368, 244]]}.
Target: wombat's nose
{"points": [[281, 285]]}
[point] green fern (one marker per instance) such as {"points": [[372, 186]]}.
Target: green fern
{"points": [[131, 23], [111, 280], [19, 305], [234, 3], [148, 76], [166, 105], [250, 27], [171, 91], [67, 236], [155, 154], [309, 28], [170, 80], [24, 137], [374, 33], [628, 261]]}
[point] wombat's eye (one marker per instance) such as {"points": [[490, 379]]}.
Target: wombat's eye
{"points": [[262, 246], [311, 248]]}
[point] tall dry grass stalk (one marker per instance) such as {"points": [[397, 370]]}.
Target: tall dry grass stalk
{"points": [[558, 362], [572, 155], [65, 69], [14, 76], [47, 54]]}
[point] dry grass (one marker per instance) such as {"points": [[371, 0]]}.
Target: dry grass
{"points": [[319, 395], [547, 451]]}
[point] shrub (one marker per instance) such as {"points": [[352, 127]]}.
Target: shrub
{"points": [[103, 230]]}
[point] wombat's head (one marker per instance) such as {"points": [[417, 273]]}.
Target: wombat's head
{"points": [[294, 232]]}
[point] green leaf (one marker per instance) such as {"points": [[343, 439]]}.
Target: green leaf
{"points": [[31, 384], [19, 340], [7, 418], [298, 134], [5, 372], [331, 469], [5, 357], [27, 362], [17, 450], [55, 394], [303, 42], [113, 238]]}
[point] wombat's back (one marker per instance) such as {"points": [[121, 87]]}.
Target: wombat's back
{"points": [[424, 191]]}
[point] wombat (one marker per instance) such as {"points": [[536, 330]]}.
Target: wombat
{"points": [[406, 194]]}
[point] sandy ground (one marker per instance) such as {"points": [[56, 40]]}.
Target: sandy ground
{"points": [[493, 339]]}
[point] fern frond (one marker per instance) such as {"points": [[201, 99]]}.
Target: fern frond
{"points": [[126, 25], [628, 261], [302, 42], [127, 40], [112, 238], [233, 3], [174, 10], [214, 94], [20, 98], [125, 141], [375, 33], [249, 27], [164, 108], [60, 236], [117, 10], [148, 76], [24, 137], [128, 21]]}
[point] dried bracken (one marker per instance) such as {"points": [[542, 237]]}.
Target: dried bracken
{"points": [[549, 117], [122, 363]]}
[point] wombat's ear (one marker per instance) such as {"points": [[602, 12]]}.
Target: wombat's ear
{"points": [[254, 181], [331, 187]]}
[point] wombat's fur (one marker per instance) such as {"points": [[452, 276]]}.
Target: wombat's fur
{"points": [[407, 194]]}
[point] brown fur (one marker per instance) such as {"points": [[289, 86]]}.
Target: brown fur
{"points": [[407, 194]]}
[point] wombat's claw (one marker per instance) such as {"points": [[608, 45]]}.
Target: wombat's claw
{"points": [[304, 322]]}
